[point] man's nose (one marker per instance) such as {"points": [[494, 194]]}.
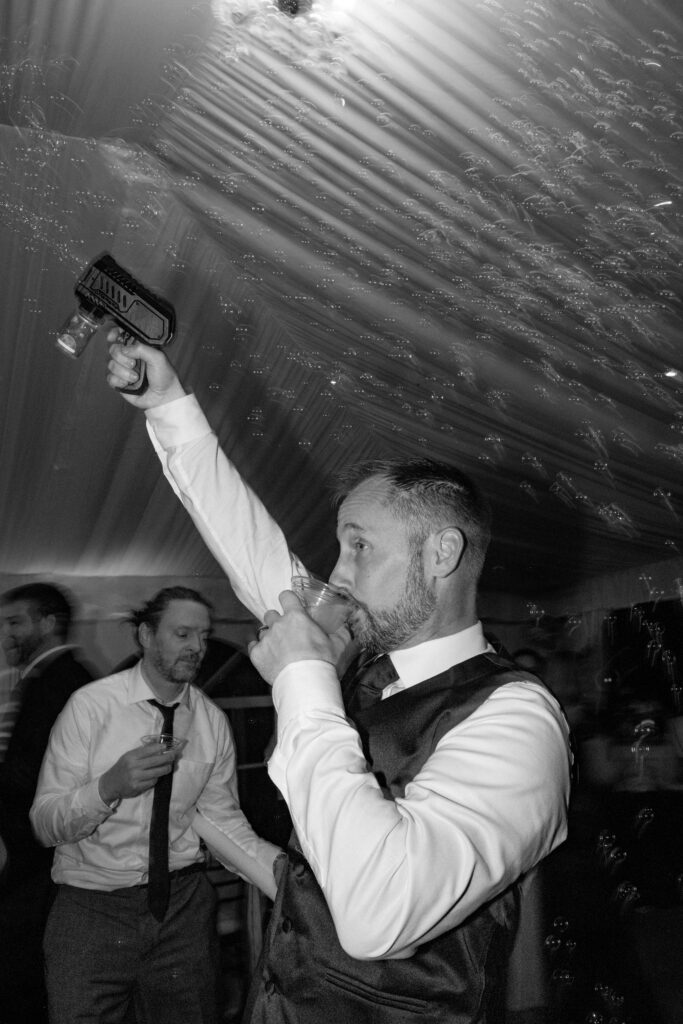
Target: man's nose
{"points": [[340, 576]]}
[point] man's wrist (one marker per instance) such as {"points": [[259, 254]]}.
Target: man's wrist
{"points": [[176, 423], [107, 796], [305, 686], [173, 392]]}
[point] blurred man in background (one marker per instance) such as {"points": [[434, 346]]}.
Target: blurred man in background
{"points": [[36, 622]]}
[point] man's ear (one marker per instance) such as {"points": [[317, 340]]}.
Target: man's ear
{"points": [[47, 624], [445, 549], [144, 634]]}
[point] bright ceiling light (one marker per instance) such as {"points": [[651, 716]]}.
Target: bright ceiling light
{"points": [[230, 12]]}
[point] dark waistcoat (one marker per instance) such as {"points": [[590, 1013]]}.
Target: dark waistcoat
{"points": [[305, 977]]}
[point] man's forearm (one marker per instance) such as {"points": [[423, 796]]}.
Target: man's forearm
{"points": [[255, 865], [59, 818], [237, 528]]}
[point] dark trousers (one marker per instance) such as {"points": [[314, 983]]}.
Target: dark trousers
{"points": [[104, 951], [24, 906]]}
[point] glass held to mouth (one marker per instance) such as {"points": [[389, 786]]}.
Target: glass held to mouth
{"points": [[331, 608]]}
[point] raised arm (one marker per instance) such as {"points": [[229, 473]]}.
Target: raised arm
{"points": [[236, 527]]}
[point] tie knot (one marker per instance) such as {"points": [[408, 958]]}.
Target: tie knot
{"points": [[371, 680], [167, 711], [378, 673]]}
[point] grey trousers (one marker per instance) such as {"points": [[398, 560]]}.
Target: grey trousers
{"points": [[104, 952]]}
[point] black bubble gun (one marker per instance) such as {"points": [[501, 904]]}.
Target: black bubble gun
{"points": [[105, 291]]}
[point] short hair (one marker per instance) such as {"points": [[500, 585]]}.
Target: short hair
{"points": [[44, 599], [429, 496], [152, 611]]}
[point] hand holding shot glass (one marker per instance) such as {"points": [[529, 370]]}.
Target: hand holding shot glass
{"points": [[291, 636], [166, 741], [329, 607]]}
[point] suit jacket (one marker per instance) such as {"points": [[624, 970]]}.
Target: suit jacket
{"points": [[46, 690]]}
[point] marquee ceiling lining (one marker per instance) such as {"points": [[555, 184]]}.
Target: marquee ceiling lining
{"points": [[447, 229]]}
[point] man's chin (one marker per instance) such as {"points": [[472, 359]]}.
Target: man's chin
{"points": [[364, 636], [357, 626], [185, 673]]}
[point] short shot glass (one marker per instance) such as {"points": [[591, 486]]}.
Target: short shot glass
{"points": [[166, 741]]}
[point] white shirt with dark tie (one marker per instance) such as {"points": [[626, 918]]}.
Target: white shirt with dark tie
{"points": [[103, 847]]}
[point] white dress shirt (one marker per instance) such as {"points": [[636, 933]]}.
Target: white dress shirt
{"points": [[488, 804], [101, 848]]}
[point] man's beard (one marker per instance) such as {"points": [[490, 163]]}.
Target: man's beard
{"points": [[386, 630], [21, 653], [182, 670]]}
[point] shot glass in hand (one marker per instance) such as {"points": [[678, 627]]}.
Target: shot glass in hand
{"points": [[166, 741], [329, 607]]}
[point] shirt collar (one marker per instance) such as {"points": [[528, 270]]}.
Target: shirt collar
{"points": [[139, 689], [428, 659]]}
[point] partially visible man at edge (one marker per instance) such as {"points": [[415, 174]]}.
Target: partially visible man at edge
{"points": [[35, 621], [415, 818]]}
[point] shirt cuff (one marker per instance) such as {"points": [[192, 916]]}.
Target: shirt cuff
{"points": [[178, 422], [306, 686], [91, 799]]}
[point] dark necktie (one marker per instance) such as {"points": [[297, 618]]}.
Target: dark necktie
{"points": [[372, 678], [158, 881]]}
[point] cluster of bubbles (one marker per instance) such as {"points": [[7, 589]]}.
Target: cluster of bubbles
{"points": [[562, 211]]}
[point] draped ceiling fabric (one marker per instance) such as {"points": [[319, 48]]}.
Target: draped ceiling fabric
{"points": [[446, 229]]}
